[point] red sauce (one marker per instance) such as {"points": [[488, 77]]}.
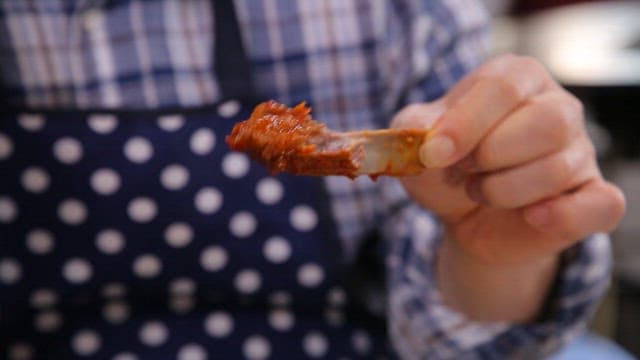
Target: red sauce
{"points": [[287, 140]]}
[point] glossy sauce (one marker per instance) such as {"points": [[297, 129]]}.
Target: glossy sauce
{"points": [[289, 140]]}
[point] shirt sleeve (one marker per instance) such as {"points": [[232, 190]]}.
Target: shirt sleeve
{"points": [[453, 41]]}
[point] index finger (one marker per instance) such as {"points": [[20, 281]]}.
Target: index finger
{"points": [[487, 97]]}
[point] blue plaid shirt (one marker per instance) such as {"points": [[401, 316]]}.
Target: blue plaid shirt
{"points": [[357, 62]]}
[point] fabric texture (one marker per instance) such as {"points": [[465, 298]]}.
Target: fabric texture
{"points": [[356, 62]]}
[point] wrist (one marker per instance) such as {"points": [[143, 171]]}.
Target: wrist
{"points": [[493, 292]]}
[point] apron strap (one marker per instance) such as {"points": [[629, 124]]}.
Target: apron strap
{"points": [[231, 63]]}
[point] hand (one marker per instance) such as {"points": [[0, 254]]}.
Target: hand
{"points": [[510, 168]]}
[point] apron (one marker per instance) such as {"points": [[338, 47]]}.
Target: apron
{"points": [[141, 235]]}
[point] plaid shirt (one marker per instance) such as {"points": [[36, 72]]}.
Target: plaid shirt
{"points": [[357, 62]]}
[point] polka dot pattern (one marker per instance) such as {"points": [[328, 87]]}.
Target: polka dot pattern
{"points": [[208, 200], [68, 150], [202, 141], [40, 241], [138, 150], [86, 342], [35, 179], [6, 147], [102, 123], [164, 205], [72, 212], [174, 177], [171, 122], [256, 347], [178, 234], [110, 241], [105, 181], [31, 122], [218, 324], [153, 334], [8, 209], [147, 266]]}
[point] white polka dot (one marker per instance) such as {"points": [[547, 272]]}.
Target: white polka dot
{"points": [[171, 122], [202, 141], [138, 150], [10, 271], [256, 347], [361, 342], [110, 241], [303, 218], [147, 266], [43, 298], [77, 271], [86, 342], [218, 324], [174, 177], [113, 290], [315, 344], [102, 123], [235, 165], [181, 304], [125, 356], [31, 122], [6, 146], [67, 150], [229, 108], [208, 200], [40, 241], [105, 181], [213, 258], [72, 212], [242, 224], [182, 286], [47, 321], [337, 297], [178, 234], [153, 333], [269, 191], [310, 275], [334, 317], [21, 351], [8, 209], [116, 312], [35, 180], [280, 298], [281, 319], [142, 209], [247, 281], [192, 351], [277, 250]]}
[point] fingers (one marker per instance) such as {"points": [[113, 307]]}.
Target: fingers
{"points": [[419, 115], [486, 98], [536, 180], [545, 124], [597, 206]]}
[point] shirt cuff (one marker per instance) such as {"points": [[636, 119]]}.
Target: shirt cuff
{"points": [[422, 326]]}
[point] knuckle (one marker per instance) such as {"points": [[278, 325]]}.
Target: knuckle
{"points": [[507, 88], [617, 205], [496, 193], [563, 170], [485, 156]]}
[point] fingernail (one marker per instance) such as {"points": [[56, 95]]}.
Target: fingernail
{"points": [[437, 151], [538, 216]]}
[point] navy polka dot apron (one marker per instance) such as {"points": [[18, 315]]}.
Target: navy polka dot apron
{"points": [[140, 235]]}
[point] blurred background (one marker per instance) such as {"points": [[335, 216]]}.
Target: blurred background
{"points": [[593, 49]]}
